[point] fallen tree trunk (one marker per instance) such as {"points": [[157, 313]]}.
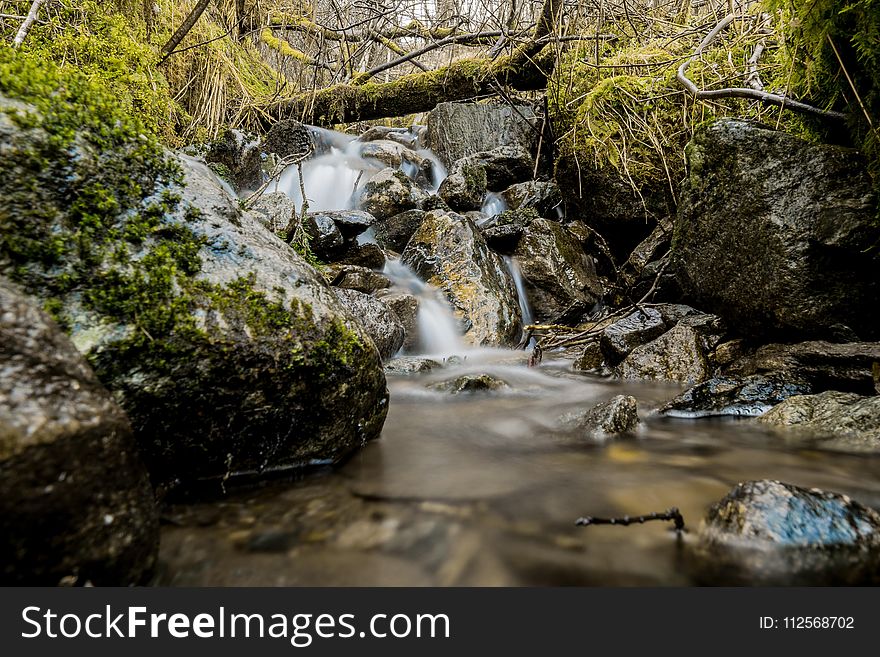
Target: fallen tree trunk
{"points": [[418, 92]]}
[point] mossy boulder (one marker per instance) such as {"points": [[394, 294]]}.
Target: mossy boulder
{"points": [[75, 500], [228, 352], [778, 235], [465, 186], [379, 321], [449, 252], [559, 277], [390, 192]]}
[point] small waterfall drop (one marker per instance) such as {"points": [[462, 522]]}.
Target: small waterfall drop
{"points": [[524, 308], [493, 204], [439, 333]]}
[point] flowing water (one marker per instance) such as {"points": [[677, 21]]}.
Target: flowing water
{"points": [[484, 488]]}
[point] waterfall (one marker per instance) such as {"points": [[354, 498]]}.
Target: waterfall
{"points": [[439, 332], [519, 284], [493, 204]]}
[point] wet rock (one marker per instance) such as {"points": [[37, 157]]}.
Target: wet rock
{"points": [[681, 354], [449, 252], [389, 153], [544, 197], [326, 240], [75, 499], [673, 313], [470, 383], [624, 335], [237, 158], [593, 244], [558, 275], [620, 414], [366, 255], [352, 277], [503, 166], [748, 396], [770, 532], [652, 248], [457, 130], [406, 307], [289, 137], [390, 192], [503, 239], [274, 210], [775, 233], [465, 186], [380, 323], [411, 365], [840, 419], [590, 359], [825, 365], [380, 132], [350, 223], [394, 232]]}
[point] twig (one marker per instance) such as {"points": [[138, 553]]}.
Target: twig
{"points": [[672, 514], [739, 92], [28, 22]]}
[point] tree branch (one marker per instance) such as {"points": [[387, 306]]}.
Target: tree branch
{"points": [[184, 29], [28, 22], [740, 92]]}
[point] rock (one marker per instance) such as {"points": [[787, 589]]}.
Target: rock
{"points": [[465, 186], [390, 192], [350, 223], [681, 354], [652, 248], [620, 414], [406, 307], [544, 197], [770, 532], [558, 275], [470, 383], [839, 419], [380, 323], [289, 137], [590, 359], [388, 153], [366, 255], [326, 240], [503, 239], [624, 335], [749, 396], [825, 365], [449, 253], [227, 351], [774, 233], [457, 130], [352, 277], [411, 365], [503, 166], [274, 210], [75, 499], [239, 158], [394, 232]]}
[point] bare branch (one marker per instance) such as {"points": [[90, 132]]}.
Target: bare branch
{"points": [[28, 22]]}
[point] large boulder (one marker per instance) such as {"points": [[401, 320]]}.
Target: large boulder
{"points": [[544, 197], [838, 419], [449, 252], [379, 321], [559, 277], [465, 186], [75, 500], [776, 234], [624, 335], [238, 158], [228, 352], [390, 192], [457, 130], [769, 532]]}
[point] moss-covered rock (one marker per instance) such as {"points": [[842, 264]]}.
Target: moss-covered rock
{"points": [[228, 351], [75, 500]]}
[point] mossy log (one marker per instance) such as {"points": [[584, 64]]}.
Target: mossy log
{"points": [[417, 92]]}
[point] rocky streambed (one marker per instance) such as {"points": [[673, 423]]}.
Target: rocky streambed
{"points": [[426, 375]]}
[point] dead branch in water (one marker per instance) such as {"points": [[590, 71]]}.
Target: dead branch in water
{"points": [[673, 515]]}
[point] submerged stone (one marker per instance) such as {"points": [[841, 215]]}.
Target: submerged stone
{"points": [[620, 414], [470, 383], [411, 365], [748, 396]]}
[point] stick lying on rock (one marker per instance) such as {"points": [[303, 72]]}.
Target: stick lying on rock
{"points": [[672, 514]]}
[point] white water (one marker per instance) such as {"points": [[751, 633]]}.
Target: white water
{"points": [[493, 205], [439, 333]]}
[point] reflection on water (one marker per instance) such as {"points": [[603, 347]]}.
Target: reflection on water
{"points": [[484, 489]]}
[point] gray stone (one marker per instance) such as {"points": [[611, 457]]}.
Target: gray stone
{"points": [[366, 255], [558, 275], [652, 248], [326, 240], [776, 234], [390, 192], [449, 252], [624, 335], [769, 532], [406, 307], [620, 414], [839, 419], [411, 365], [394, 232], [470, 383], [465, 186], [591, 358], [457, 130], [503, 166], [75, 500], [353, 277], [748, 396], [380, 323], [274, 210], [241, 161], [350, 223], [544, 197]]}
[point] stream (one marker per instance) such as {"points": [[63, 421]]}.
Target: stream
{"points": [[483, 489]]}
